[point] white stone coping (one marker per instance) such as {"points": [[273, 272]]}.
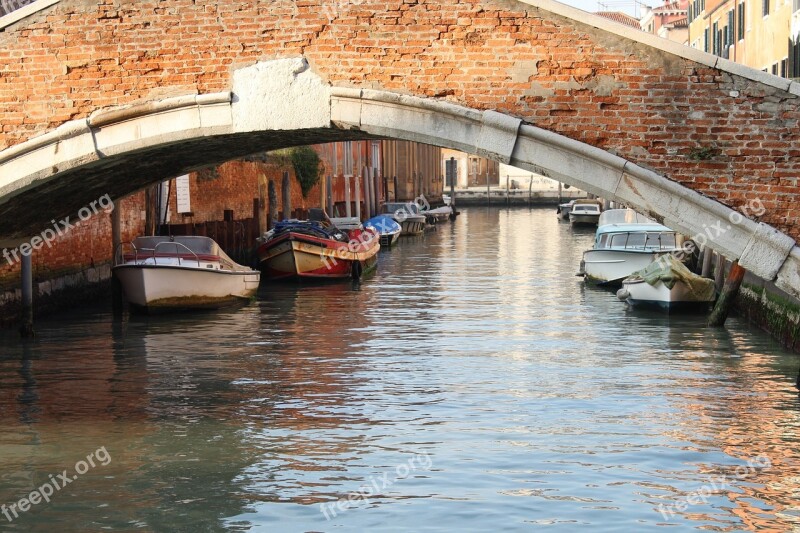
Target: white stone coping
{"points": [[665, 45], [105, 117], [25, 11]]}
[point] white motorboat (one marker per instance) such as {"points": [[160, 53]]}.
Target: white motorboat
{"points": [[667, 284], [564, 209], [408, 215], [625, 242], [585, 212], [387, 228], [440, 214], [168, 273]]}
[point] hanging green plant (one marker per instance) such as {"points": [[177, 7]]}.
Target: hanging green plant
{"points": [[306, 165]]}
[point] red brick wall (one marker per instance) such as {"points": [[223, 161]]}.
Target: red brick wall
{"points": [[80, 248], [655, 110], [234, 187]]}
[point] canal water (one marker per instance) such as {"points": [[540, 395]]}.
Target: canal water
{"points": [[472, 384]]}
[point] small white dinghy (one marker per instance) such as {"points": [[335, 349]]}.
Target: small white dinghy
{"points": [[170, 273], [667, 284]]}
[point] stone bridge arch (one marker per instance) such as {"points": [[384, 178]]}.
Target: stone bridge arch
{"points": [[91, 90]]}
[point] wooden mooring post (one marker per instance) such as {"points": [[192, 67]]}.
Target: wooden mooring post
{"points": [[286, 189], [116, 240], [26, 328], [708, 256], [728, 296], [273, 204]]}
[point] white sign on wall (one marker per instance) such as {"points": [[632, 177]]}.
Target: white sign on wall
{"points": [[182, 190]]}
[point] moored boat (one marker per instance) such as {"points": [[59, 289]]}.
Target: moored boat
{"points": [[388, 230], [564, 209], [625, 242], [585, 212], [317, 250], [438, 215], [171, 273], [408, 215], [667, 284]]}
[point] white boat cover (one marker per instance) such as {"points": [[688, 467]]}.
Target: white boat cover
{"points": [[669, 271], [623, 216]]}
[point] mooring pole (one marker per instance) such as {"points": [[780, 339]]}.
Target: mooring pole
{"points": [[376, 192], [329, 193], [116, 240], [708, 256], [530, 191], [357, 195], [348, 209], [273, 204], [488, 187], [728, 296], [26, 329], [719, 272], [453, 178], [286, 189], [365, 172]]}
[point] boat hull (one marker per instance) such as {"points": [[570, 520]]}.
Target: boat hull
{"points": [[161, 287], [610, 267], [412, 226], [639, 293], [389, 239], [295, 256], [584, 219]]}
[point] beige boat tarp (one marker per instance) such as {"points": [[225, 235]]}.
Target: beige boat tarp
{"points": [[669, 271]]}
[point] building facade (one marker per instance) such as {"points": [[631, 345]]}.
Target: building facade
{"points": [[412, 169], [668, 21], [762, 34], [472, 170]]}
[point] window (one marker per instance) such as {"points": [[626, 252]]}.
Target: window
{"points": [[714, 32], [765, 7], [706, 40], [775, 69], [784, 67], [794, 57], [702, 5], [731, 37], [741, 20], [691, 10]]}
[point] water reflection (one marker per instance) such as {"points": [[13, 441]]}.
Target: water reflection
{"points": [[538, 400]]}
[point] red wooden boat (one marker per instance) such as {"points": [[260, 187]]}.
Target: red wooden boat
{"points": [[316, 250]]}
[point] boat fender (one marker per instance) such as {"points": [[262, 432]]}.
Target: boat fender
{"points": [[582, 271], [623, 294]]}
